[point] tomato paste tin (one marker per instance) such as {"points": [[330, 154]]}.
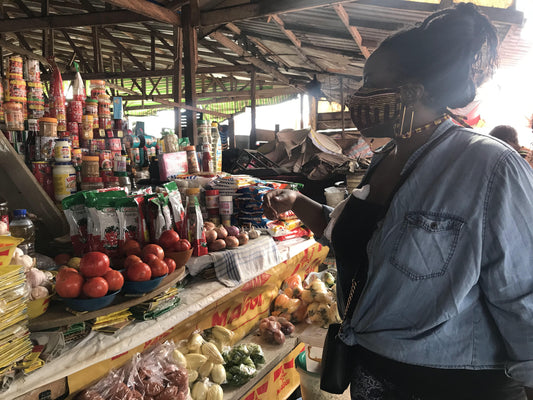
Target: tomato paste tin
{"points": [[42, 171], [15, 67], [44, 148], [114, 144]]}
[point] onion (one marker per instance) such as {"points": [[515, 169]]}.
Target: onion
{"points": [[243, 238], [221, 232], [208, 225], [217, 245], [210, 236], [231, 242], [232, 230]]}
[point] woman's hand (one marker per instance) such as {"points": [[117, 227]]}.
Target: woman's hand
{"points": [[277, 201]]}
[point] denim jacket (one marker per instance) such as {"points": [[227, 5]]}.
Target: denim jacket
{"points": [[450, 280]]}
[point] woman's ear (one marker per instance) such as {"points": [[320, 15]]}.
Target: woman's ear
{"points": [[411, 93]]}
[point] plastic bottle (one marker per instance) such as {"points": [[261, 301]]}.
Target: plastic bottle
{"points": [[22, 227]]}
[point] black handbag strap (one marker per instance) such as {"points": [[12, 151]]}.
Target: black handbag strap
{"points": [[356, 287]]}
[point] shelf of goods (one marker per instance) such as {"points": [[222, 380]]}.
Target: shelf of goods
{"points": [[204, 303]]}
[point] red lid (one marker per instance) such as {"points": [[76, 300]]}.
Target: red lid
{"points": [[212, 192]]}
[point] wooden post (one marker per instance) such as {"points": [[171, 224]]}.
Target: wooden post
{"points": [[96, 49], [253, 135], [190, 62], [46, 32], [313, 111], [301, 110], [176, 79], [152, 52], [342, 106], [231, 133]]}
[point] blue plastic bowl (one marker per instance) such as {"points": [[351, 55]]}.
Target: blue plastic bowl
{"points": [[132, 287], [90, 304]]}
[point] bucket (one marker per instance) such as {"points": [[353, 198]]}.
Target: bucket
{"points": [[334, 195], [310, 383]]}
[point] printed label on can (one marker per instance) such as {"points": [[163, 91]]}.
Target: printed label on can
{"points": [[44, 148]]}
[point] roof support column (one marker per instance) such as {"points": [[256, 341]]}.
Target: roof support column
{"points": [[190, 20], [176, 78], [253, 133]]}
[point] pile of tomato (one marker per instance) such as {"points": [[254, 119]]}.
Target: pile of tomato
{"points": [[95, 278]]}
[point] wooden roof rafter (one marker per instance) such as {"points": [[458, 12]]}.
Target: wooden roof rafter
{"points": [[343, 16]]}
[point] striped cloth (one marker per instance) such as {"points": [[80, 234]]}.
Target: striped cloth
{"points": [[236, 266]]}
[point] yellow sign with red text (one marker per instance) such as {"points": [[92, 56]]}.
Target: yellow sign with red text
{"points": [[280, 382]]}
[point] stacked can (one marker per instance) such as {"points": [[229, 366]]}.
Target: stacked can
{"points": [[15, 95], [35, 90]]}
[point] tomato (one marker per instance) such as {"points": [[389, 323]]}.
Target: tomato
{"points": [[114, 279], [64, 269], [130, 247], [139, 272], [62, 258], [69, 284], [153, 249], [168, 240], [158, 267], [94, 264], [148, 258], [171, 264], [95, 287], [130, 260], [182, 245]]}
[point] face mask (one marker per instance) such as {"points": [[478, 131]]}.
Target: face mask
{"points": [[374, 111]]}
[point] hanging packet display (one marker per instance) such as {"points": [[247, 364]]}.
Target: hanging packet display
{"points": [[176, 206]]}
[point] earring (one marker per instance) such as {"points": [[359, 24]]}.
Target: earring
{"points": [[400, 132]]}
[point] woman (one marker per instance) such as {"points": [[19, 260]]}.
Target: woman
{"points": [[508, 134], [441, 237]]}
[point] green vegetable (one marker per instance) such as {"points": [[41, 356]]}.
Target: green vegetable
{"points": [[256, 353]]}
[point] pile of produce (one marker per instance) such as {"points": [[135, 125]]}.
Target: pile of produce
{"points": [[313, 299], [149, 376], [274, 329], [227, 237]]}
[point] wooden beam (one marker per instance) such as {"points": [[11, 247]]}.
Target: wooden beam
{"points": [[177, 77], [190, 58], [69, 21], [77, 50], [119, 45], [261, 9], [295, 41], [19, 50], [343, 16], [225, 41], [149, 9], [253, 133]]}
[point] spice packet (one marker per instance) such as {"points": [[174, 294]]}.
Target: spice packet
{"points": [[128, 220], [76, 215], [176, 206]]}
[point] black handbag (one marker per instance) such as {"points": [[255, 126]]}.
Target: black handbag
{"points": [[337, 357]]}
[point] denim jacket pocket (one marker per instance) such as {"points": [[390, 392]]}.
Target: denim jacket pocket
{"points": [[426, 244]]}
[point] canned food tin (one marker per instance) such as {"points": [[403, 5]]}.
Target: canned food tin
{"points": [[76, 157], [42, 171], [16, 90], [72, 128], [105, 160], [44, 148], [34, 72], [15, 67], [74, 141], [99, 143], [114, 144]]}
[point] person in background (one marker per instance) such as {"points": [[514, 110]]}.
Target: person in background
{"points": [[439, 236], [507, 134]]}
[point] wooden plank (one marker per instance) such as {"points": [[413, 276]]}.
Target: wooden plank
{"points": [[260, 9], [57, 315], [148, 9], [343, 16], [225, 41], [77, 50], [67, 76], [74, 20], [19, 50]]}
